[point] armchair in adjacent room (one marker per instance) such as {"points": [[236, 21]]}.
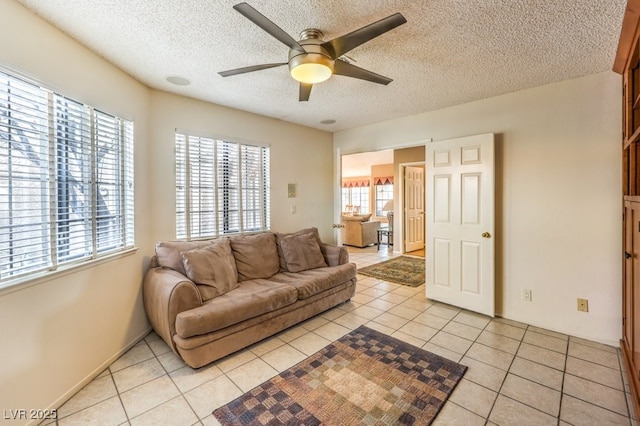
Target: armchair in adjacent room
{"points": [[359, 231]]}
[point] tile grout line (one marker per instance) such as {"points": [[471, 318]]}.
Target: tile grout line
{"points": [[465, 354], [182, 395], [499, 392], [521, 340], [356, 305], [623, 369], [527, 329]]}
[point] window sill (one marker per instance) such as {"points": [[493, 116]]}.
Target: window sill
{"points": [[24, 283]]}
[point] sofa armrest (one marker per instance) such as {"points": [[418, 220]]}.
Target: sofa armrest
{"points": [[370, 232], [335, 255], [166, 293]]}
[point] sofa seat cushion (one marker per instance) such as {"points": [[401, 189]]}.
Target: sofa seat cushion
{"points": [[314, 281], [248, 300]]}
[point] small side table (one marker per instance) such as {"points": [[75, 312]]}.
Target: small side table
{"points": [[385, 232]]}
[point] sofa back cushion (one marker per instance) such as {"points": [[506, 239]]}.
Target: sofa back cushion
{"points": [[357, 218], [302, 252], [280, 236], [168, 253], [256, 256], [212, 268]]}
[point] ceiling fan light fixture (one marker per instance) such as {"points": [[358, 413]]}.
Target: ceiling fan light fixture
{"points": [[311, 68], [311, 73]]}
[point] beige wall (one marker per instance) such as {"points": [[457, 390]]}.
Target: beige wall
{"points": [[59, 332], [407, 155], [299, 155], [558, 186]]}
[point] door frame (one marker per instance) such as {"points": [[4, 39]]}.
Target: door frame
{"points": [[337, 169], [401, 199], [338, 155], [337, 196]]}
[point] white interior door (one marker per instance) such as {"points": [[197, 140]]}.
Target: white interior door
{"points": [[460, 223], [414, 208]]}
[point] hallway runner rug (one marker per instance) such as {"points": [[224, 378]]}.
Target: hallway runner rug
{"points": [[400, 270], [365, 377]]}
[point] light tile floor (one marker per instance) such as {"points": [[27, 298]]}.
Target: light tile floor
{"points": [[518, 374]]}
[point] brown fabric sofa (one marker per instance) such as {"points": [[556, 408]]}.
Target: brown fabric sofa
{"points": [[208, 299]]}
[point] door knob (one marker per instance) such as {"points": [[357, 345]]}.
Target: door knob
{"points": [[486, 235], [627, 255]]}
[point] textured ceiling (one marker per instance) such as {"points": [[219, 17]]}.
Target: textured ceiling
{"points": [[448, 53]]}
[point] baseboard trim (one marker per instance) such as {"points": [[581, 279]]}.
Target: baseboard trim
{"points": [[95, 373]]}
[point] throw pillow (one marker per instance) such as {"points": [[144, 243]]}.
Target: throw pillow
{"points": [[212, 267], [168, 253], [280, 236], [256, 256], [302, 252]]}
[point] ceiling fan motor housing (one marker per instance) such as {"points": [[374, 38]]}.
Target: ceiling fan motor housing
{"points": [[314, 53]]}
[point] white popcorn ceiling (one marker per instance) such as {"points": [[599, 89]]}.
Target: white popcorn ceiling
{"points": [[449, 52]]}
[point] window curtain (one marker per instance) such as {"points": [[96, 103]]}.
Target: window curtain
{"points": [[383, 180], [360, 183]]}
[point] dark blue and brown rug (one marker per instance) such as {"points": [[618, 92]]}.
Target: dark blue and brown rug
{"points": [[365, 377]]}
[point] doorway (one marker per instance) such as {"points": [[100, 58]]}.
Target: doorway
{"points": [[378, 178], [464, 263], [413, 202]]}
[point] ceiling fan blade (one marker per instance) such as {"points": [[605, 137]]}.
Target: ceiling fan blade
{"points": [[263, 22], [305, 92], [250, 69], [343, 68], [341, 45]]}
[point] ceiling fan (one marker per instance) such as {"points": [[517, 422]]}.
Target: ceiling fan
{"points": [[312, 60]]}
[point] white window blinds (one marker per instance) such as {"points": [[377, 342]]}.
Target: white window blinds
{"points": [[221, 187], [25, 193], [66, 180]]}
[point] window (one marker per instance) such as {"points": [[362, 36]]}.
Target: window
{"points": [[384, 193], [357, 197], [221, 187], [66, 180]]}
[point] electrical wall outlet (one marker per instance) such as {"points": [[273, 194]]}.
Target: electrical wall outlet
{"points": [[526, 295], [583, 305]]}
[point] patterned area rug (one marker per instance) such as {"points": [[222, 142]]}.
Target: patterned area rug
{"points": [[365, 377], [401, 270]]}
